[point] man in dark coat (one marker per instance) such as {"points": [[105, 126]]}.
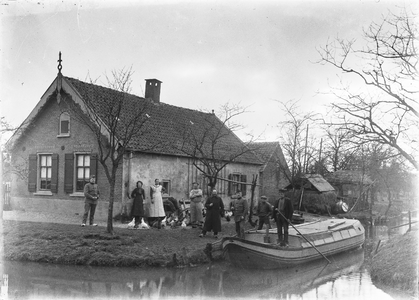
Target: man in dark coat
{"points": [[285, 210], [215, 209]]}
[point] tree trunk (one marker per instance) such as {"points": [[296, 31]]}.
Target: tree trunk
{"points": [[110, 208], [389, 202]]}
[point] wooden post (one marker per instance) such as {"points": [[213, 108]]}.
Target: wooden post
{"points": [[253, 187], [378, 246]]}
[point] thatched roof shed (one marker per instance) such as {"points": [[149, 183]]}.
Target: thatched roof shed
{"points": [[313, 194], [313, 182]]}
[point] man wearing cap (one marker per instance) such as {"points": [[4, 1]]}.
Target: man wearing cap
{"points": [[91, 195], [264, 211], [240, 208], [285, 210]]}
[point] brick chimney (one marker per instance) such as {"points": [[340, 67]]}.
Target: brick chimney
{"points": [[152, 89]]}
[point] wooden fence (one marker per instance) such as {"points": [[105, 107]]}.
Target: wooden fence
{"points": [[410, 214]]}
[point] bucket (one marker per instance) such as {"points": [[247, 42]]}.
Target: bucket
{"points": [[340, 207]]}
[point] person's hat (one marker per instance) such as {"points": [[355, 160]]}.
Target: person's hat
{"points": [[92, 176], [264, 197]]}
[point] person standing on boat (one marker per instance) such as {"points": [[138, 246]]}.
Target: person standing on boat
{"points": [[264, 211], [215, 209], [285, 211], [240, 208]]}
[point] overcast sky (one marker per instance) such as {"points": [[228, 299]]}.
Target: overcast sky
{"points": [[206, 53]]}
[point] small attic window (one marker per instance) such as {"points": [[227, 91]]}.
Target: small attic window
{"points": [[64, 124]]}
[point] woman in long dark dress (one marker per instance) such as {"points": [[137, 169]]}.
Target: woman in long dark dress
{"points": [[137, 210], [215, 209]]}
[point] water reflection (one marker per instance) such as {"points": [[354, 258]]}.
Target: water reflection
{"points": [[43, 281]]}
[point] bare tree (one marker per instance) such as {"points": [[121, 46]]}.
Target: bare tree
{"points": [[115, 122], [386, 110], [299, 150], [338, 151], [19, 169], [212, 145]]}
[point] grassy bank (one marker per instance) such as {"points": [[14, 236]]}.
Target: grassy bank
{"points": [[75, 245], [396, 263]]}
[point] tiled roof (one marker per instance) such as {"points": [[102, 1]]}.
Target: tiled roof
{"points": [[264, 150], [164, 131]]}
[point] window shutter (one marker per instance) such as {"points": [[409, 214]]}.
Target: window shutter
{"points": [[230, 184], [243, 186], [54, 175], [33, 158], [93, 165], [69, 173]]}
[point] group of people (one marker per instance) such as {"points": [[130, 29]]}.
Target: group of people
{"points": [[155, 209], [281, 211]]}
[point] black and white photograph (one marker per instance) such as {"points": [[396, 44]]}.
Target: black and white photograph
{"points": [[208, 149]]}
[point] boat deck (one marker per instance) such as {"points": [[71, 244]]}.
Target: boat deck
{"points": [[305, 243], [313, 227], [319, 232]]}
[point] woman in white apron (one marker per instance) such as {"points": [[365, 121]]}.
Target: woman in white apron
{"points": [[156, 210]]}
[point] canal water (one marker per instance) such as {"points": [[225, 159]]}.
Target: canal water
{"points": [[347, 277]]}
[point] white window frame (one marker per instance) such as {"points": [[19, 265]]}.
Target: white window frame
{"points": [[39, 190], [76, 167]]}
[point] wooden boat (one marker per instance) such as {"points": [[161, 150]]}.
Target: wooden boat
{"points": [[307, 242]]}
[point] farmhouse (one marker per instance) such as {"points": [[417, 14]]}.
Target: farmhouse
{"points": [[274, 173], [55, 151]]}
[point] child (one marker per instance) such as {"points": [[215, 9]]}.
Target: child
{"points": [[264, 210]]}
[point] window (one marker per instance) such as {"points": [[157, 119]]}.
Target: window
{"points": [[82, 171], [45, 167], [237, 184], [64, 124], [43, 173], [166, 185], [78, 168]]}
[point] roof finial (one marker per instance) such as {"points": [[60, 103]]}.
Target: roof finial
{"points": [[59, 63]]}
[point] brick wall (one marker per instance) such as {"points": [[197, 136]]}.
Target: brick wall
{"points": [[42, 137], [273, 178]]}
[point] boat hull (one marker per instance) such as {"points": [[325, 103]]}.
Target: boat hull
{"points": [[257, 251]]}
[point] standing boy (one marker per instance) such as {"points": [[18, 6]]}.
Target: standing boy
{"points": [[91, 196], [264, 211]]}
